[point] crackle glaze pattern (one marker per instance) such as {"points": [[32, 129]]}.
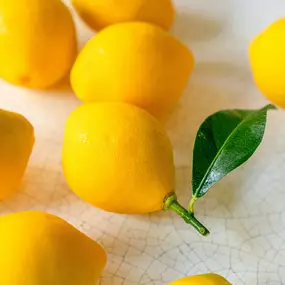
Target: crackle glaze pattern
{"points": [[245, 212]]}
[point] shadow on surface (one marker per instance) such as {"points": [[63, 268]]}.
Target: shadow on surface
{"points": [[214, 86], [63, 87], [193, 27]]}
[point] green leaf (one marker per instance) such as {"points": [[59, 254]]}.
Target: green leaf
{"points": [[225, 141]]}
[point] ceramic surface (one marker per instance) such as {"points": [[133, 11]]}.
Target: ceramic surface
{"points": [[245, 212]]}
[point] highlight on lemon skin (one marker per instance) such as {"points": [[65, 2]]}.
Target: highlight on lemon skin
{"points": [[38, 42], [135, 63], [99, 14], [267, 59]]}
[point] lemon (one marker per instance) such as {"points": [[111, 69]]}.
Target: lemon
{"points": [[16, 144], [136, 63], [37, 42], [118, 158], [203, 279], [268, 62], [99, 14], [41, 249]]}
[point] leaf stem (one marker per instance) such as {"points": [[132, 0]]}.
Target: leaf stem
{"points": [[191, 204], [171, 203]]}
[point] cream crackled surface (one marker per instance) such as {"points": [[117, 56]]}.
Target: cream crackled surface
{"points": [[245, 212]]}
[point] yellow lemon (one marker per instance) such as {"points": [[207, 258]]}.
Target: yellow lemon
{"points": [[136, 63], [268, 62], [16, 144], [41, 249], [99, 14], [204, 279], [118, 157], [37, 42]]}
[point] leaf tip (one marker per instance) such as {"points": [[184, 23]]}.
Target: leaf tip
{"points": [[270, 107]]}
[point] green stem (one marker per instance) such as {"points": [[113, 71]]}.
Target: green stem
{"points": [[171, 203], [191, 205]]}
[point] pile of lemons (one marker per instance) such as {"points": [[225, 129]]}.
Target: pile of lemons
{"points": [[132, 59], [116, 154]]}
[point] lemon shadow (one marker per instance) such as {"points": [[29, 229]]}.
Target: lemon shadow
{"points": [[195, 27], [62, 86], [214, 86]]}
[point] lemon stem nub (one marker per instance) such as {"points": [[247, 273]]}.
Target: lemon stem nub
{"points": [[171, 203]]}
